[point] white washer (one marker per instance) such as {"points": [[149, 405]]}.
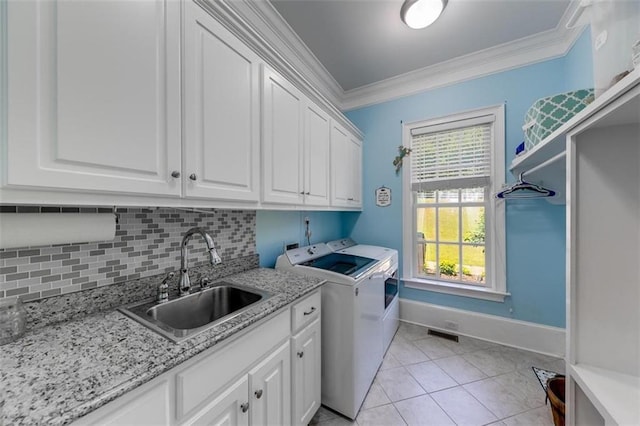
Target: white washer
{"points": [[353, 307], [389, 258]]}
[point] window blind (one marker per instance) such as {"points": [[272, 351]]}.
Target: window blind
{"points": [[456, 155]]}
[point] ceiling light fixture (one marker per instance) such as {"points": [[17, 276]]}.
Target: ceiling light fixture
{"points": [[419, 14]]}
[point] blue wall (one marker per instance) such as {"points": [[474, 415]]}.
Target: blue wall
{"points": [[578, 62], [535, 243], [275, 228]]}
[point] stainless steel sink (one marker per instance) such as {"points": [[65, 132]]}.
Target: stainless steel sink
{"points": [[186, 316]]}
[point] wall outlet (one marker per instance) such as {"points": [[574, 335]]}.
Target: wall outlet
{"points": [[307, 231], [451, 325]]}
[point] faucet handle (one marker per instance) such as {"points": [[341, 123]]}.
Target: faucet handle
{"points": [[168, 277], [163, 288], [204, 283]]}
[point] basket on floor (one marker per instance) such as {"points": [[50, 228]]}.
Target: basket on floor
{"points": [[555, 392]]}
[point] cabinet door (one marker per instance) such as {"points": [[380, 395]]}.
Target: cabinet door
{"points": [[229, 408], [340, 171], [94, 95], [221, 106], [306, 353], [317, 136], [270, 389], [282, 140], [355, 162]]}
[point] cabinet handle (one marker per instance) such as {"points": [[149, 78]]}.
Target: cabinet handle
{"points": [[357, 291], [300, 354], [301, 192], [193, 176], [244, 407], [175, 174], [312, 310], [258, 393], [307, 193], [349, 199]]}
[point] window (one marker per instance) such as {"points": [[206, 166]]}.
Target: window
{"points": [[453, 226]]}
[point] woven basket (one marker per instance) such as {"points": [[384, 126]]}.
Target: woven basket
{"points": [[555, 392], [547, 114]]}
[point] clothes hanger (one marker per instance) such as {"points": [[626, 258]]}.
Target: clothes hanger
{"points": [[524, 189]]}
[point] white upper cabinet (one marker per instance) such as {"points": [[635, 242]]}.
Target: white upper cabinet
{"points": [[282, 147], [160, 103], [340, 171], [317, 136], [346, 168], [221, 111], [355, 159], [94, 95]]}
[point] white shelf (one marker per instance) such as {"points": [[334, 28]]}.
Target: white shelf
{"points": [[551, 174], [616, 396], [549, 148]]}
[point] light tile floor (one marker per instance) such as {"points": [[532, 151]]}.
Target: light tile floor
{"points": [[427, 380]]}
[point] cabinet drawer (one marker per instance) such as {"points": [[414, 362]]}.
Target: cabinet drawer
{"points": [[305, 311], [200, 381]]}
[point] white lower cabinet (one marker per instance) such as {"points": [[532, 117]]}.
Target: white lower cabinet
{"points": [[247, 381], [229, 408], [270, 389], [261, 397], [306, 353], [305, 358]]}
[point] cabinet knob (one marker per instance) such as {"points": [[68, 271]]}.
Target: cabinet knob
{"points": [[301, 192], [244, 407], [175, 174], [307, 193], [258, 393], [350, 199], [193, 176], [300, 354], [310, 311]]}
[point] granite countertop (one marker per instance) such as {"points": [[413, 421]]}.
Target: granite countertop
{"points": [[58, 373]]}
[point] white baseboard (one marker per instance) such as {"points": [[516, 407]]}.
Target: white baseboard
{"points": [[505, 331]]}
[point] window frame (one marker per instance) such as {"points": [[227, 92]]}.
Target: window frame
{"points": [[495, 263]]}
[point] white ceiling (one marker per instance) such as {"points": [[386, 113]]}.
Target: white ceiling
{"points": [[361, 42]]}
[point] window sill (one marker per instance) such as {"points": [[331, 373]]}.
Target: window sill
{"points": [[455, 289]]}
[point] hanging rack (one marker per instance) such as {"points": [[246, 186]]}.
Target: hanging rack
{"points": [[523, 189]]}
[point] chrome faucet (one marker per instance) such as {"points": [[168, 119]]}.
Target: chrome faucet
{"points": [[214, 259]]}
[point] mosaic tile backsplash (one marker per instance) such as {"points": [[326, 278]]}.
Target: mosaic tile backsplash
{"points": [[147, 243]]}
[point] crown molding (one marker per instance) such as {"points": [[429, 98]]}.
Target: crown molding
{"points": [[287, 41], [260, 25], [540, 47]]}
